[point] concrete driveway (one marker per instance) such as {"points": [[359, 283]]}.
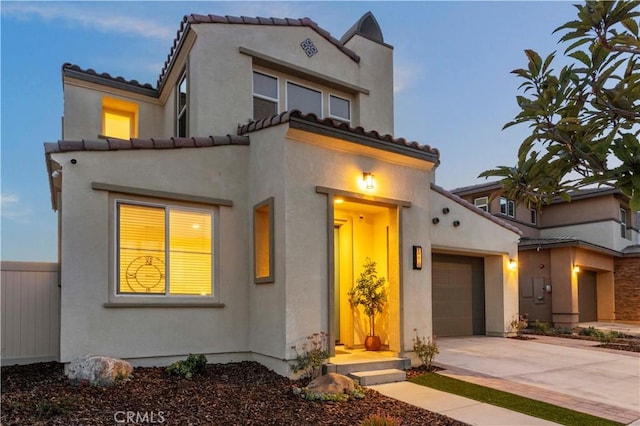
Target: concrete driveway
{"points": [[603, 383]]}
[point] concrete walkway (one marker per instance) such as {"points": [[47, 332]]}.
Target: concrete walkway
{"points": [[569, 373], [459, 408]]}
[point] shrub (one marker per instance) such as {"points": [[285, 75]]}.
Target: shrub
{"points": [[194, 364], [589, 332], [312, 356], [380, 420], [606, 337], [47, 410], [562, 330], [540, 327], [426, 349], [519, 323], [358, 393]]}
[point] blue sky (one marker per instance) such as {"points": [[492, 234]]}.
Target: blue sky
{"points": [[453, 87]]}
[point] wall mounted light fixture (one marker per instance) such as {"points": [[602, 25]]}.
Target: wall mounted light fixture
{"points": [[417, 257], [513, 264], [576, 268], [368, 179]]}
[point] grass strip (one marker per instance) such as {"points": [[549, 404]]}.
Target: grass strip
{"points": [[532, 407]]}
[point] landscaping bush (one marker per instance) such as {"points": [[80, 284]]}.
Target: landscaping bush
{"points": [[194, 364], [380, 420], [313, 355], [426, 349], [540, 327], [519, 323], [592, 332]]}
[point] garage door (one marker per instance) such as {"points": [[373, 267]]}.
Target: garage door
{"points": [[458, 295], [587, 296]]}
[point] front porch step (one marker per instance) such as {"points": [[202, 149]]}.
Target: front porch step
{"points": [[378, 377], [346, 368]]}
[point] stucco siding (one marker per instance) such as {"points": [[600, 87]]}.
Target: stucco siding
{"points": [[606, 234], [83, 111], [87, 254]]}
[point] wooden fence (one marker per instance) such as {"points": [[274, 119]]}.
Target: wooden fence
{"points": [[30, 296]]}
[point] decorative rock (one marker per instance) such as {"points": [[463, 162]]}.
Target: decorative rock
{"points": [[99, 370], [332, 383]]}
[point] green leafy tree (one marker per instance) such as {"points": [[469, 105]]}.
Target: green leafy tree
{"points": [[369, 292], [583, 119]]}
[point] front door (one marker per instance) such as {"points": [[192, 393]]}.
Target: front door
{"points": [[362, 231]]}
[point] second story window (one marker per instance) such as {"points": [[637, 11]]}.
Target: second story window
{"points": [[507, 207], [265, 96], [340, 108], [623, 223], [182, 108], [304, 99], [534, 216], [119, 118], [482, 203]]}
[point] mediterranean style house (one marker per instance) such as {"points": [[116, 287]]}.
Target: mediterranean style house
{"points": [[228, 209], [579, 261]]}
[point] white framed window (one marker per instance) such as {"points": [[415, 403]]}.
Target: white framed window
{"points": [[507, 207], [164, 251], [265, 95], [304, 99], [482, 203], [182, 106], [623, 223], [534, 216], [340, 108]]}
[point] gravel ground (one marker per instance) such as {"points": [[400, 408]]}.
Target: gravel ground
{"points": [[244, 393]]}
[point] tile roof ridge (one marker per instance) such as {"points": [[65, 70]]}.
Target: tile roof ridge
{"points": [[194, 19], [468, 205], [67, 66]]}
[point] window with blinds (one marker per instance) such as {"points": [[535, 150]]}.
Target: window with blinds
{"points": [[164, 250]]}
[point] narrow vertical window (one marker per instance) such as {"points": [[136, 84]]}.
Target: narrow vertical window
{"points": [[182, 109], [263, 242], [507, 207], [534, 216], [265, 96], [623, 223]]}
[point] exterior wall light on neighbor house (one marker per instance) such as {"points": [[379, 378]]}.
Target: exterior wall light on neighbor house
{"points": [[513, 264], [369, 180], [576, 269]]}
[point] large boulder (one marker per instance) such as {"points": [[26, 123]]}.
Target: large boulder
{"points": [[332, 383], [99, 370]]}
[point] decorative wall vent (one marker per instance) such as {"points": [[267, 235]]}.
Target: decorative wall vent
{"points": [[309, 48]]}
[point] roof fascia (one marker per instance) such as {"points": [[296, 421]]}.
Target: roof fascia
{"points": [[69, 74], [330, 131]]}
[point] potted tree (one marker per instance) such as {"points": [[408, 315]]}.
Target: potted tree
{"points": [[369, 292]]}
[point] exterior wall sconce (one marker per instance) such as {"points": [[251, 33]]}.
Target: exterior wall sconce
{"points": [[456, 223], [576, 269], [369, 180], [417, 257], [513, 264]]}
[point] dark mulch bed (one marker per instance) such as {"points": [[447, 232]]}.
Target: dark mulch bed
{"points": [[244, 393], [629, 347]]}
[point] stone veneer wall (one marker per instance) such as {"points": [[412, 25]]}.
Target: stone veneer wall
{"points": [[627, 288]]}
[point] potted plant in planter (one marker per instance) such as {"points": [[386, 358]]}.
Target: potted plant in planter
{"points": [[369, 292]]}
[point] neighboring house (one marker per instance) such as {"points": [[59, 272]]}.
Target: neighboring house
{"points": [[241, 244], [579, 261]]}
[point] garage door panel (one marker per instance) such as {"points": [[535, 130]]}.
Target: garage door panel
{"points": [[458, 295]]}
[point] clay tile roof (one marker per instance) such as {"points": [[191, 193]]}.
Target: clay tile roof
{"points": [[194, 19], [113, 144], [286, 116], [107, 79], [474, 209]]}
